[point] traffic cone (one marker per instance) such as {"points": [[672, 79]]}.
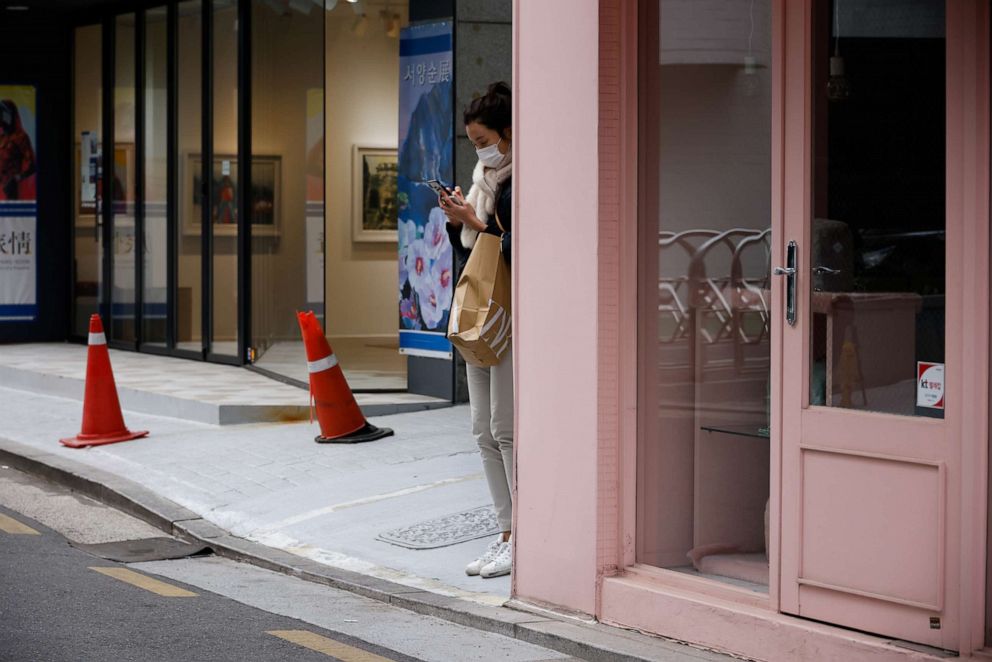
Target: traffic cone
{"points": [[102, 419], [341, 421]]}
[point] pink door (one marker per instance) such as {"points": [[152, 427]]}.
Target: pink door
{"points": [[882, 132]]}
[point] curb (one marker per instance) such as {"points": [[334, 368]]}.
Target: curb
{"points": [[589, 641]]}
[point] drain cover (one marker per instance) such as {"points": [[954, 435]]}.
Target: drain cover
{"points": [[443, 531], [146, 549]]}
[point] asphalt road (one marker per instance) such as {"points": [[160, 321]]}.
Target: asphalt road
{"points": [[59, 602], [58, 605]]}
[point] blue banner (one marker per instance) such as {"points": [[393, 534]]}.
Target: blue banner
{"points": [[426, 151], [18, 204]]}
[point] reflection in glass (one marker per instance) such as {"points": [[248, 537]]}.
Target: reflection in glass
{"points": [[189, 295], [878, 230], [705, 214], [154, 314], [122, 186], [87, 129]]}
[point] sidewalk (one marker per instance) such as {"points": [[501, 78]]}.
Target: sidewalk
{"points": [[316, 511]]}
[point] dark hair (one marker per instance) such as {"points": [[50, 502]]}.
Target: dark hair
{"points": [[493, 109]]}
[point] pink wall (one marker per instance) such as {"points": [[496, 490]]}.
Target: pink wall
{"points": [[556, 186]]}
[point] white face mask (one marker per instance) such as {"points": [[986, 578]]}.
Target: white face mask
{"points": [[490, 155]]}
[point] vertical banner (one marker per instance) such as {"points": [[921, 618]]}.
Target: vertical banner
{"points": [[426, 151], [315, 202], [18, 204]]}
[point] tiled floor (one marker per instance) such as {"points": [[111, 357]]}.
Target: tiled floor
{"points": [[368, 363]]}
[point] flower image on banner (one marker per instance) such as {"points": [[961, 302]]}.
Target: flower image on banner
{"points": [[426, 150]]}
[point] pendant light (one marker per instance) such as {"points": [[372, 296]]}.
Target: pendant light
{"points": [[838, 87]]}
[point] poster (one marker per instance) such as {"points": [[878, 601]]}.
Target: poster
{"points": [[18, 204], [426, 150]]}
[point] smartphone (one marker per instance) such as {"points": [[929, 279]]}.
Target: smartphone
{"points": [[438, 188]]}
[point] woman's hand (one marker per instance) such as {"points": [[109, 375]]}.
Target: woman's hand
{"points": [[460, 212]]}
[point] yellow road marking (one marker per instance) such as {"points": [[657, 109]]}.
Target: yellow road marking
{"points": [[11, 525], [315, 642], [145, 582]]}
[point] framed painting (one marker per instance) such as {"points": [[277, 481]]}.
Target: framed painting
{"points": [[265, 189], [374, 200], [89, 185]]}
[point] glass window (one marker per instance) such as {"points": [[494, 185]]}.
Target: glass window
{"points": [[123, 183], [704, 221], [189, 270], [87, 130], [224, 180], [878, 221], [287, 180], [156, 177]]}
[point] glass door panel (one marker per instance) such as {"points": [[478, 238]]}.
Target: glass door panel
{"points": [[189, 245], [87, 149], [288, 217], [123, 184], [705, 220], [878, 235], [155, 277], [224, 182]]}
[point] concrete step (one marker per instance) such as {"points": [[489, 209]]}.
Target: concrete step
{"points": [[179, 388]]}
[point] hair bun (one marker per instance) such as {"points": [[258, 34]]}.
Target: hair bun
{"points": [[499, 88]]}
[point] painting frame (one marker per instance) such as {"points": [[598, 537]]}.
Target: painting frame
{"points": [[266, 173], [362, 230]]}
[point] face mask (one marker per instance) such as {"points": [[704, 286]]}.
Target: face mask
{"points": [[490, 156]]}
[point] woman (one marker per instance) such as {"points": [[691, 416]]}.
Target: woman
{"points": [[16, 154], [487, 208]]}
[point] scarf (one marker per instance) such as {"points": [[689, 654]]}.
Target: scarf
{"points": [[482, 195]]}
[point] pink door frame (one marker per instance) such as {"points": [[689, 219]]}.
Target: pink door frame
{"points": [[682, 607], [577, 405], [900, 445]]}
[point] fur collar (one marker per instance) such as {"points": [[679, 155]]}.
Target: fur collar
{"points": [[482, 195]]}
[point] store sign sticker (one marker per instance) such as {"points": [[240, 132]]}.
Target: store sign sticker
{"points": [[930, 385]]}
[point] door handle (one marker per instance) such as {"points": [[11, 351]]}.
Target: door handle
{"points": [[826, 270], [789, 271]]}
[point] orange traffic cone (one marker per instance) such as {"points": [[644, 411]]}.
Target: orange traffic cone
{"points": [[102, 419], [341, 421]]}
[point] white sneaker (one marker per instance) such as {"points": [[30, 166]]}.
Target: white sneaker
{"points": [[476, 566], [500, 565]]}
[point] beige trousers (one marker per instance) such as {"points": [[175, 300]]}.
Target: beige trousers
{"points": [[490, 396]]}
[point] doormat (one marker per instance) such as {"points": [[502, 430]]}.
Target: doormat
{"points": [[444, 531], [146, 549]]}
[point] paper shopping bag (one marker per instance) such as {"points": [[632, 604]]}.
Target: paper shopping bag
{"points": [[479, 325]]}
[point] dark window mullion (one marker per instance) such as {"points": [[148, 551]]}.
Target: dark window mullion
{"points": [[206, 193], [244, 189], [139, 176], [172, 150]]}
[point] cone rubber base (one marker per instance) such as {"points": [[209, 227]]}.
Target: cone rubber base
{"points": [[368, 432], [99, 440]]}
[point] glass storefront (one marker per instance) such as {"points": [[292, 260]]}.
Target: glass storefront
{"points": [[214, 249], [705, 224]]}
